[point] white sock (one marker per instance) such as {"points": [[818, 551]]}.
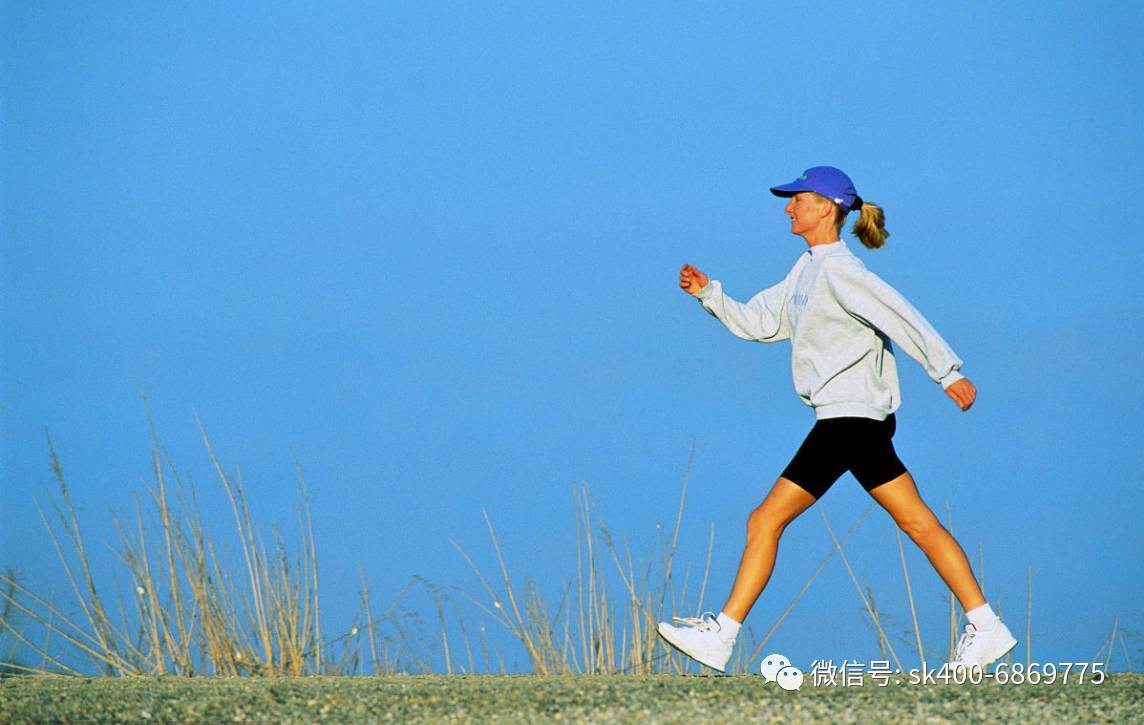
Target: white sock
{"points": [[728, 628], [982, 618]]}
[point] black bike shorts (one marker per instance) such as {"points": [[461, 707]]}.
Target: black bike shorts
{"points": [[834, 446]]}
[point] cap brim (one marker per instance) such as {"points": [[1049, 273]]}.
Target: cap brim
{"points": [[790, 189]]}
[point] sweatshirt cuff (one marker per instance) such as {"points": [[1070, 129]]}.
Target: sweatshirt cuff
{"points": [[952, 377]]}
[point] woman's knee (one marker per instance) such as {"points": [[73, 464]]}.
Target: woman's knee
{"points": [[924, 529], [764, 521], [782, 505]]}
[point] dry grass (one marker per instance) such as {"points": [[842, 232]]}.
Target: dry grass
{"points": [[188, 611], [610, 627]]}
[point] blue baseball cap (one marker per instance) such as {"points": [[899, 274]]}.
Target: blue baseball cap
{"points": [[832, 183]]}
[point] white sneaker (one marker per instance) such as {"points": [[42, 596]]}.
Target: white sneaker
{"points": [[698, 638], [978, 648]]}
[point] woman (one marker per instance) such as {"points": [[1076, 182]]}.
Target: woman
{"points": [[840, 319]]}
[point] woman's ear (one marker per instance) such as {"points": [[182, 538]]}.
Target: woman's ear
{"points": [[825, 207]]}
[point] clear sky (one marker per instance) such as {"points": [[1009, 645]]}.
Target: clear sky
{"points": [[430, 251]]}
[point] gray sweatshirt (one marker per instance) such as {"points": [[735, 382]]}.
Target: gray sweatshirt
{"points": [[840, 318]]}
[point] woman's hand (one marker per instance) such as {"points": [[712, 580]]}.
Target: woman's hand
{"points": [[692, 280], [963, 393]]}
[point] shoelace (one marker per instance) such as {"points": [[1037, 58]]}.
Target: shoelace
{"points": [[704, 622], [964, 641]]}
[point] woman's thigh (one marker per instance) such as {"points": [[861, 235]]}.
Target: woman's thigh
{"points": [[785, 501], [900, 498]]}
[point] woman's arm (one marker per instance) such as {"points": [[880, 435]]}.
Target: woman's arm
{"points": [[762, 319], [867, 297]]}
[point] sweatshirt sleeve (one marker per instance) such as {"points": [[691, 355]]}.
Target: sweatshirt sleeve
{"points": [[867, 297], [762, 319]]}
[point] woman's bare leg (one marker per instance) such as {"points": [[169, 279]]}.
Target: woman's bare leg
{"points": [[901, 499], [764, 527]]}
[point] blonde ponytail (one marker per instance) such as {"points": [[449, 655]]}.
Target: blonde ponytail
{"points": [[871, 226]]}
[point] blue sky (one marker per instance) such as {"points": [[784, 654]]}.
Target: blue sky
{"points": [[430, 252]]}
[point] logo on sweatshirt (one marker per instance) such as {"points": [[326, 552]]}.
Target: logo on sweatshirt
{"points": [[799, 299]]}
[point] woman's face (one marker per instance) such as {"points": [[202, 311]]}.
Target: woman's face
{"points": [[806, 210]]}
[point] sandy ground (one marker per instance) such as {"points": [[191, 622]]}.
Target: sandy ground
{"points": [[657, 698]]}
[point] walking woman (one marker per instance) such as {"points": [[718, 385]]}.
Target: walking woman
{"points": [[840, 319]]}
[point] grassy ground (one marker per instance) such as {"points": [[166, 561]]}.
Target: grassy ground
{"points": [[662, 698]]}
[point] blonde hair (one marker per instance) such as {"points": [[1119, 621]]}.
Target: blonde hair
{"points": [[870, 228]]}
